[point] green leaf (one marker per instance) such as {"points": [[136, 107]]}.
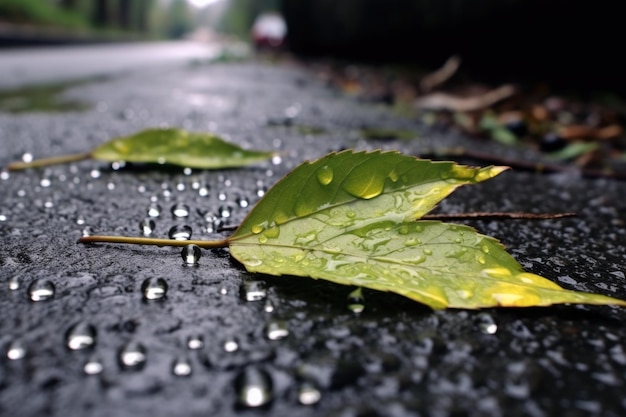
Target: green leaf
{"points": [[574, 150], [350, 218], [162, 146], [178, 147]]}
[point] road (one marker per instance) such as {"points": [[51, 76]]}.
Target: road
{"points": [[59, 63]]}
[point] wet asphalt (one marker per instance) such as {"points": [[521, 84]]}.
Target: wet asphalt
{"points": [[103, 330]]}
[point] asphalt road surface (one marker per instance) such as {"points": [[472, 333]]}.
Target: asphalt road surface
{"points": [[61, 63], [113, 330]]}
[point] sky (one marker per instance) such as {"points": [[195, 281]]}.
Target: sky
{"points": [[201, 3]]}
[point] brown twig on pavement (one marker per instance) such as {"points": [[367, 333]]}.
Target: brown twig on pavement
{"points": [[441, 75], [497, 216], [445, 101]]}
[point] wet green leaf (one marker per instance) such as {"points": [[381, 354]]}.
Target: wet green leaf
{"points": [[350, 218], [574, 150], [178, 147], [162, 146]]}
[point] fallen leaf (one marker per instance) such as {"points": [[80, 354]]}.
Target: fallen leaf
{"points": [[164, 146], [350, 218]]}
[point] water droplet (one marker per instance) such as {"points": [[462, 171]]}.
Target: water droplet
{"points": [[272, 232], [146, 226], [41, 290], [356, 301], [277, 160], [277, 329], [261, 190], [3, 218], [45, 182], [254, 387], [242, 202], [80, 336], [180, 210], [16, 350], [308, 394], [486, 324], [269, 307], [191, 254], [481, 260], [94, 174], [254, 290], [181, 367], [225, 211], [485, 248], [154, 288], [195, 342], [325, 175], [27, 157], [154, 210], [204, 191], [231, 345], [14, 283], [180, 232], [132, 355], [93, 366], [257, 228], [4, 175]]}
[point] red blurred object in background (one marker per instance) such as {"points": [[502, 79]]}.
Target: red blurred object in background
{"points": [[269, 31]]}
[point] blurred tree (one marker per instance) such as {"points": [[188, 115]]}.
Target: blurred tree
{"points": [[179, 19]]}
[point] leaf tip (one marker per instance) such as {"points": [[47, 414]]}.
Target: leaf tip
{"points": [[489, 172]]}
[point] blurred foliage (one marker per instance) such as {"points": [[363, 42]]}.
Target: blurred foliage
{"points": [[40, 12], [153, 18]]}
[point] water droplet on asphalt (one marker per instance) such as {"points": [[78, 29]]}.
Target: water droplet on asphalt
{"points": [[242, 201], [277, 329], [154, 288], [225, 211], [16, 350], [356, 302], [180, 210], [195, 342], [231, 345], [269, 307], [308, 394], [191, 254], [181, 367], [27, 157], [93, 366], [154, 210], [80, 336], [14, 283], [132, 355], [261, 190], [254, 388], [486, 324], [94, 174], [41, 290], [254, 290], [325, 175], [146, 226], [180, 232]]}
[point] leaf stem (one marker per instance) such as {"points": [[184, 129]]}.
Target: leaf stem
{"points": [[206, 244], [44, 162], [497, 215]]}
